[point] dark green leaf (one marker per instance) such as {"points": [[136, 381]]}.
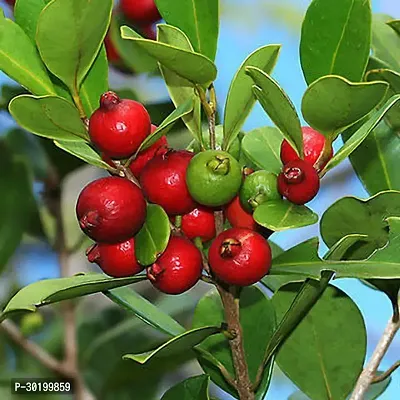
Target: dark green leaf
{"points": [[146, 311], [279, 215], [329, 367], [362, 133], [189, 65], [49, 291], [278, 106], [199, 19], [177, 344], [240, 98], [49, 116], [20, 60], [69, 44], [195, 388], [26, 14], [332, 103], [153, 238], [83, 151], [395, 24], [257, 318], [332, 34], [181, 90]]}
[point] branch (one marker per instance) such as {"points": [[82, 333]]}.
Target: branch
{"points": [[367, 377], [387, 373]]}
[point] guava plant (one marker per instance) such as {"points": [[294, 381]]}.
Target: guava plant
{"points": [[172, 217]]}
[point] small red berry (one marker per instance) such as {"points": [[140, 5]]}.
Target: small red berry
{"points": [[11, 2], [112, 53], [111, 209], [240, 257], [298, 182], [200, 222], [163, 181], [238, 217], [140, 11], [117, 260], [119, 126], [159, 147], [178, 269], [149, 31], [313, 145]]}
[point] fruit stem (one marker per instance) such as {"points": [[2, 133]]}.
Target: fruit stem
{"points": [[210, 108]]}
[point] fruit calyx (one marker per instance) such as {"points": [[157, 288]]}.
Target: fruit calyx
{"points": [[230, 248], [92, 253], [219, 165], [109, 100], [154, 271], [293, 174]]}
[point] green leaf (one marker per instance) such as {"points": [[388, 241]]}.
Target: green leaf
{"points": [[240, 98], [94, 84], [67, 43], [199, 19], [257, 318], [146, 311], [189, 65], [279, 215], [20, 60], [183, 110], [262, 147], [395, 24], [377, 389], [332, 103], [332, 34], [48, 116], [152, 239], [329, 367], [362, 133], [82, 151], [26, 14], [278, 106], [178, 344], [195, 388], [181, 90], [49, 291], [385, 41]]}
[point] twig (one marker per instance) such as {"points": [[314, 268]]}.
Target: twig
{"points": [[387, 373], [368, 374]]}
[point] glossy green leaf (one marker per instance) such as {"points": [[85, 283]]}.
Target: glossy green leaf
{"points": [[49, 291], [183, 110], [181, 90], [362, 133], [240, 100], [279, 215], [262, 147], [67, 43], [20, 60], [329, 367], [385, 41], [146, 311], [178, 344], [332, 103], [332, 34], [83, 151], [195, 388], [199, 19], [153, 238], [94, 84], [189, 65], [395, 24], [26, 14], [278, 106], [257, 318], [49, 116]]}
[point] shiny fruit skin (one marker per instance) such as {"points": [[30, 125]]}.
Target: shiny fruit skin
{"points": [[238, 217], [117, 260], [144, 156], [178, 269], [119, 126], [313, 144], [200, 222], [112, 53], [163, 181], [240, 257], [111, 209], [298, 182], [257, 188], [140, 11], [213, 177]]}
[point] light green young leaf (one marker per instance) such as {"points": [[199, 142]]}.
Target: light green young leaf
{"points": [[195, 388]]}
